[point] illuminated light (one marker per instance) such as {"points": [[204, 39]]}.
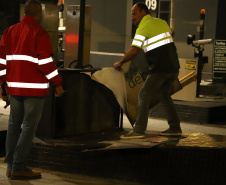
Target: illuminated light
{"points": [[71, 38], [61, 28], [203, 11]]}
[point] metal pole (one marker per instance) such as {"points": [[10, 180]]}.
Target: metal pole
{"points": [[81, 34], [200, 48], [172, 24]]}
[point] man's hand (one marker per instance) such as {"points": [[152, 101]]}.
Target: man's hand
{"points": [[59, 91], [4, 93], [118, 65], [127, 57]]}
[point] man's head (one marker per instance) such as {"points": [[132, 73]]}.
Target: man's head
{"points": [[138, 11], [34, 9]]}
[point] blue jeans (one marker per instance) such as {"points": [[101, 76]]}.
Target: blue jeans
{"points": [[27, 111], [157, 87]]}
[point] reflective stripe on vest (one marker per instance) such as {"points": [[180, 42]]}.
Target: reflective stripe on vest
{"points": [[153, 42], [138, 40], [137, 43], [156, 38], [139, 37], [157, 44], [28, 85]]}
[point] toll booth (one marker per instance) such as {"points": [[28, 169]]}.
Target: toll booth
{"points": [[71, 38], [86, 106]]}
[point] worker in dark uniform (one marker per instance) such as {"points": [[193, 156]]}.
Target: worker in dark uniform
{"points": [[153, 36]]}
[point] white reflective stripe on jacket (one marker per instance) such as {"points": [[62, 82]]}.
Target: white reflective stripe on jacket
{"points": [[2, 61], [51, 75], [28, 85], [3, 72], [29, 59]]}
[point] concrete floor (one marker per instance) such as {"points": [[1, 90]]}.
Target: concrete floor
{"points": [[58, 178], [50, 177], [54, 178], [161, 124]]}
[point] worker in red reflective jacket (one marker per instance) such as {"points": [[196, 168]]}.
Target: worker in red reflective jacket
{"points": [[26, 67]]}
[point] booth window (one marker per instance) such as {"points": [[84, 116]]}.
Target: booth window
{"points": [[164, 10]]}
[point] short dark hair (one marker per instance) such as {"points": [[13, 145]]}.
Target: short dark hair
{"points": [[32, 7], [142, 6]]}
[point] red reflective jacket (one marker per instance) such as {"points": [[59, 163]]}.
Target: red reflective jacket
{"points": [[26, 62]]}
